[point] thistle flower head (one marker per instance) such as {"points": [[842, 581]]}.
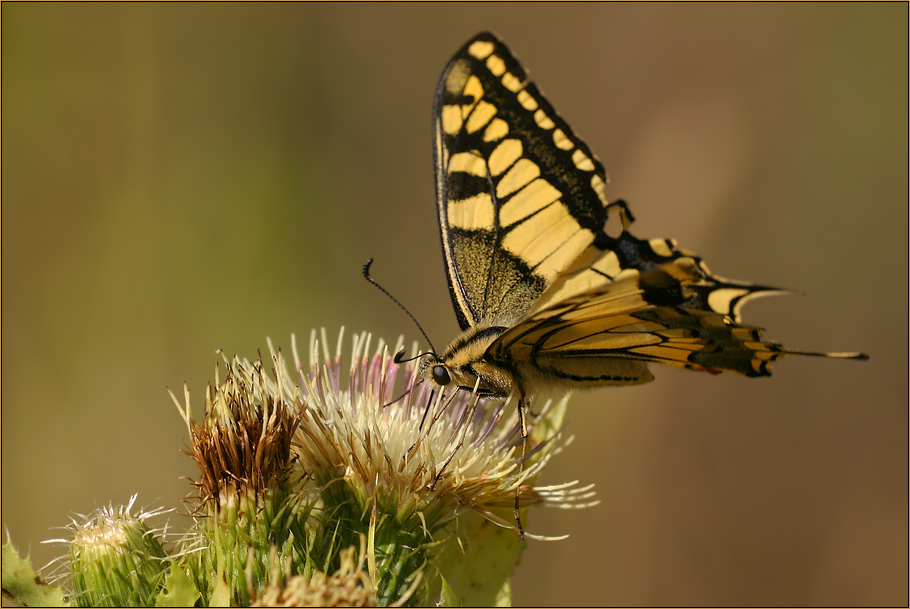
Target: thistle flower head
{"points": [[389, 438], [115, 558], [245, 438], [254, 507]]}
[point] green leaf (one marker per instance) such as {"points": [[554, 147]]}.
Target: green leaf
{"points": [[447, 596], [179, 589], [221, 594], [23, 586], [479, 576]]}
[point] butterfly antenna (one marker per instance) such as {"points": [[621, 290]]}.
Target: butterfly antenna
{"points": [[366, 274]]}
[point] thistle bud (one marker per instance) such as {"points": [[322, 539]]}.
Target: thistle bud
{"points": [[115, 559]]}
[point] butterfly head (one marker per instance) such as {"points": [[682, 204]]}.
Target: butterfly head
{"points": [[464, 364]]}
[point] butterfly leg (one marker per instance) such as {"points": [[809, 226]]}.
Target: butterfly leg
{"points": [[523, 428], [420, 432], [464, 432]]}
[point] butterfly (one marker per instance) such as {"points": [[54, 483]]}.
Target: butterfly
{"points": [[545, 297]]}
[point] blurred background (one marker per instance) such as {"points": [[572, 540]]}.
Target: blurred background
{"points": [[178, 179]]}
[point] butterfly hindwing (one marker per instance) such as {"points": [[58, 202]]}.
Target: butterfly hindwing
{"points": [[608, 335], [519, 196]]}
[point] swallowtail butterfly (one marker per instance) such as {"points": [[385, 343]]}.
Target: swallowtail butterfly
{"points": [[544, 296]]}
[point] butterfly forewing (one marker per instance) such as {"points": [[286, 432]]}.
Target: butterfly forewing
{"points": [[520, 197]]}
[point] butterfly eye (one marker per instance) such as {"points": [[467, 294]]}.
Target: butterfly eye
{"points": [[441, 375]]}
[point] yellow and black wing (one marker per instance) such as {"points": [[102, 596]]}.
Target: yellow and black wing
{"points": [[520, 196], [676, 314], [522, 212]]}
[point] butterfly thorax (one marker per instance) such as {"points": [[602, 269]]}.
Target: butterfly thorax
{"points": [[464, 362]]}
